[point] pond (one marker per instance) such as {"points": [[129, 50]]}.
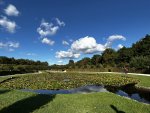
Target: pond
{"points": [[137, 94]]}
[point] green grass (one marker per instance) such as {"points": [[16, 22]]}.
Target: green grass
{"points": [[13, 101], [57, 81], [144, 80]]}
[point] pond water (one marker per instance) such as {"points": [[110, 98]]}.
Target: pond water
{"points": [[140, 95]]}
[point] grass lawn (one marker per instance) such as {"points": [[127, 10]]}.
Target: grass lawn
{"points": [[13, 101], [144, 80]]}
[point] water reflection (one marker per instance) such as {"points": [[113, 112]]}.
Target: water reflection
{"points": [[134, 96], [83, 89], [130, 92]]}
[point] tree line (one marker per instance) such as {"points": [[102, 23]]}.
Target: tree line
{"points": [[14, 66]]}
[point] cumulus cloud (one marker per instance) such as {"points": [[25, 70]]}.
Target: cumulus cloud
{"points": [[67, 55], [112, 38], [87, 45], [48, 29], [11, 46], [10, 26], [11, 10], [65, 42], [47, 41]]}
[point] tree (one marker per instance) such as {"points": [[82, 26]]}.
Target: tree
{"points": [[71, 64], [140, 62], [142, 47], [96, 59], [124, 56], [108, 57]]}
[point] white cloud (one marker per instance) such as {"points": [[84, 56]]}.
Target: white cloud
{"points": [[87, 45], [13, 44], [119, 46], [67, 54], [11, 10], [10, 46], [113, 38], [98, 48], [48, 29], [65, 42], [47, 41], [60, 23], [10, 26]]}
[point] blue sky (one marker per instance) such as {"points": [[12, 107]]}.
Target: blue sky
{"points": [[58, 30]]}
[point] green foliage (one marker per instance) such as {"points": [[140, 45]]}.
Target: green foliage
{"points": [[124, 55], [6, 60], [10, 66], [56, 81], [141, 62], [142, 47], [108, 57], [96, 59]]}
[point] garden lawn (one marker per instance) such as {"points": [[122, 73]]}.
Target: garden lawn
{"points": [[13, 101]]}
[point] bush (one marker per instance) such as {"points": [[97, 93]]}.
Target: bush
{"points": [[141, 63]]}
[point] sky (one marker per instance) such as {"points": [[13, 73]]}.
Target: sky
{"points": [[59, 30]]}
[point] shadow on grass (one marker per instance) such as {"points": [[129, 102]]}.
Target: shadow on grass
{"points": [[4, 91], [29, 104], [115, 109], [8, 79]]}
